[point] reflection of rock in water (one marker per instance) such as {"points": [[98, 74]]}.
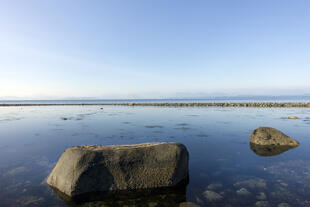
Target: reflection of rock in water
{"points": [[171, 197], [269, 150]]}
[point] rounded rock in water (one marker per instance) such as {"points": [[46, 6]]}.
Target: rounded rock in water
{"points": [[215, 186], [262, 204], [188, 204], [271, 136], [253, 183], [284, 205], [261, 196], [243, 192], [212, 196]]}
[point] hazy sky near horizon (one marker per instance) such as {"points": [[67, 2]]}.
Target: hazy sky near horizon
{"points": [[153, 48]]}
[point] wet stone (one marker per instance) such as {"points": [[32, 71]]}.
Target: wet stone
{"points": [[15, 171], [30, 201], [243, 192], [152, 204], [188, 204], [198, 200], [215, 186], [289, 174], [284, 205], [283, 184], [261, 196], [254, 183], [282, 195], [212, 196], [86, 169], [271, 136], [262, 204]]}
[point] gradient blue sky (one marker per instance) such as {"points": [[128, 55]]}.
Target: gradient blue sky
{"points": [[153, 48]]}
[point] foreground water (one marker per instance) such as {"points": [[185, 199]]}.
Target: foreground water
{"points": [[224, 171]]}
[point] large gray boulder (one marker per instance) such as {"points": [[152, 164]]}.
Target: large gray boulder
{"points": [[271, 136], [86, 169]]}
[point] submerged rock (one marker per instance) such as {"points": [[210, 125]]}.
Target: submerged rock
{"points": [[253, 183], [212, 196], [86, 169], [30, 201], [284, 205], [261, 196], [243, 192], [16, 171], [188, 204], [262, 204], [215, 186], [271, 136]]}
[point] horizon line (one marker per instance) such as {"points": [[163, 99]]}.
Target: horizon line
{"points": [[171, 98]]}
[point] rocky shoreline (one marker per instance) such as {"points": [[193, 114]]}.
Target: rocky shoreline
{"points": [[248, 104]]}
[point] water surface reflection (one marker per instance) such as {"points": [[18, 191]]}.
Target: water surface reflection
{"points": [[269, 150], [171, 197], [221, 161]]}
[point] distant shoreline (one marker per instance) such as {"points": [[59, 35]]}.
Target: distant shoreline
{"points": [[227, 104]]}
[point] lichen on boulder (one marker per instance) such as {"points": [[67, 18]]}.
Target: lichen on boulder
{"points": [[86, 169], [271, 136]]}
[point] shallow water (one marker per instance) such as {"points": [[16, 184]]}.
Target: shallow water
{"points": [[222, 164], [234, 99]]}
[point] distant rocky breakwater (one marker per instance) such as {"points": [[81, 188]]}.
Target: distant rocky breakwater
{"points": [[248, 104]]}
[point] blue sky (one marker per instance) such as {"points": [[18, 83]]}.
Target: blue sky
{"points": [[153, 48]]}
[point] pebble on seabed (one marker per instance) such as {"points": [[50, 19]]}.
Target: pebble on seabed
{"points": [[15, 171], [261, 196], [212, 196], [215, 186], [152, 204], [262, 204], [30, 201], [253, 183], [198, 200], [284, 205], [243, 192], [188, 204]]}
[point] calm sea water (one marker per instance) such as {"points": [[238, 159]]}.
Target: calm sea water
{"points": [[224, 171], [209, 100]]}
